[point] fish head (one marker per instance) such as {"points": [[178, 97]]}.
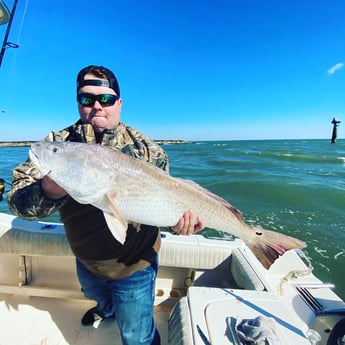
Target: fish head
{"points": [[47, 157], [73, 166]]}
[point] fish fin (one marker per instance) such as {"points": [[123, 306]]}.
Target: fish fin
{"points": [[116, 227], [269, 245], [236, 212], [116, 223]]}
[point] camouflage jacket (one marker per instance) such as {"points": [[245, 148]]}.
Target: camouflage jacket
{"points": [[86, 230]]}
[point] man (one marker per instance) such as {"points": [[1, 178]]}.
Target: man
{"points": [[121, 278]]}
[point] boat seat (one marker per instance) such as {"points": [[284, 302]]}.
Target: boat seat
{"points": [[50, 242], [187, 252], [243, 274], [46, 239]]}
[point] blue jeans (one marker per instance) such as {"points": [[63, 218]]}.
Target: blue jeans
{"points": [[129, 299]]}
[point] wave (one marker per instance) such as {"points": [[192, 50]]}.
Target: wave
{"points": [[305, 158]]}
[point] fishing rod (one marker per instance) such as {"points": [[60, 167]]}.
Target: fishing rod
{"points": [[7, 18]]}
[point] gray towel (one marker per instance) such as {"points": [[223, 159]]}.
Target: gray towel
{"points": [[258, 331]]}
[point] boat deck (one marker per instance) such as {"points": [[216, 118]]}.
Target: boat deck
{"points": [[49, 321]]}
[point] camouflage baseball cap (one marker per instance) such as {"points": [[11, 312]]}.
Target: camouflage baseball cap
{"points": [[100, 72]]}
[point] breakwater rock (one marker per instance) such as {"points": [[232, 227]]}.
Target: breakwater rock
{"points": [[28, 143]]}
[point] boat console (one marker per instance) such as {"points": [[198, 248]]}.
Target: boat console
{"points": [[214, 312]]}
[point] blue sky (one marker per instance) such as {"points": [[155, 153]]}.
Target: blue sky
{"points": [[191, 69]]}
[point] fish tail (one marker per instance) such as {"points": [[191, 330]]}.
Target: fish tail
{"points": [[267, 245]]}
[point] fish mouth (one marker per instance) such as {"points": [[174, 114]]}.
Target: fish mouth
{"points": [[33, 157], [35, 160]]}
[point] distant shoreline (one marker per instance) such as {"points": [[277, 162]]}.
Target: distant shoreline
{"points": [[28, 143], [15, 143]]}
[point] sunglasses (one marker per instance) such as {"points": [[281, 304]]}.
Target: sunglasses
{"points": [[88, 99]]}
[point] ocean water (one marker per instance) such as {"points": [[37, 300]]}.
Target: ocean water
{"points": [[296, 187]]}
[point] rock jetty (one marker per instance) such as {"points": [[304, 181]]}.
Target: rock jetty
{"points": [[28, 143]]}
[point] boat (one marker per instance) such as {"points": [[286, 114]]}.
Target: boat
{"points": [[206, 289]]}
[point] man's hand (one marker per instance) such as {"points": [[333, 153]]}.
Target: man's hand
{"points": [[51, 190], [188, 224]]}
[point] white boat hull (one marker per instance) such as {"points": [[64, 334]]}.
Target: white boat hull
{"points": [[202, 285]]}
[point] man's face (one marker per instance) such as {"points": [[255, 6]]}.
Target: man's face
{"points": [[99, 116]]}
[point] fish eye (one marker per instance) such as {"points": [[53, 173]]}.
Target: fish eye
{"points": [[55, 150]]}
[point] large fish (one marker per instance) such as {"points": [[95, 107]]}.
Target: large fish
{"points": [[128, 189]]}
